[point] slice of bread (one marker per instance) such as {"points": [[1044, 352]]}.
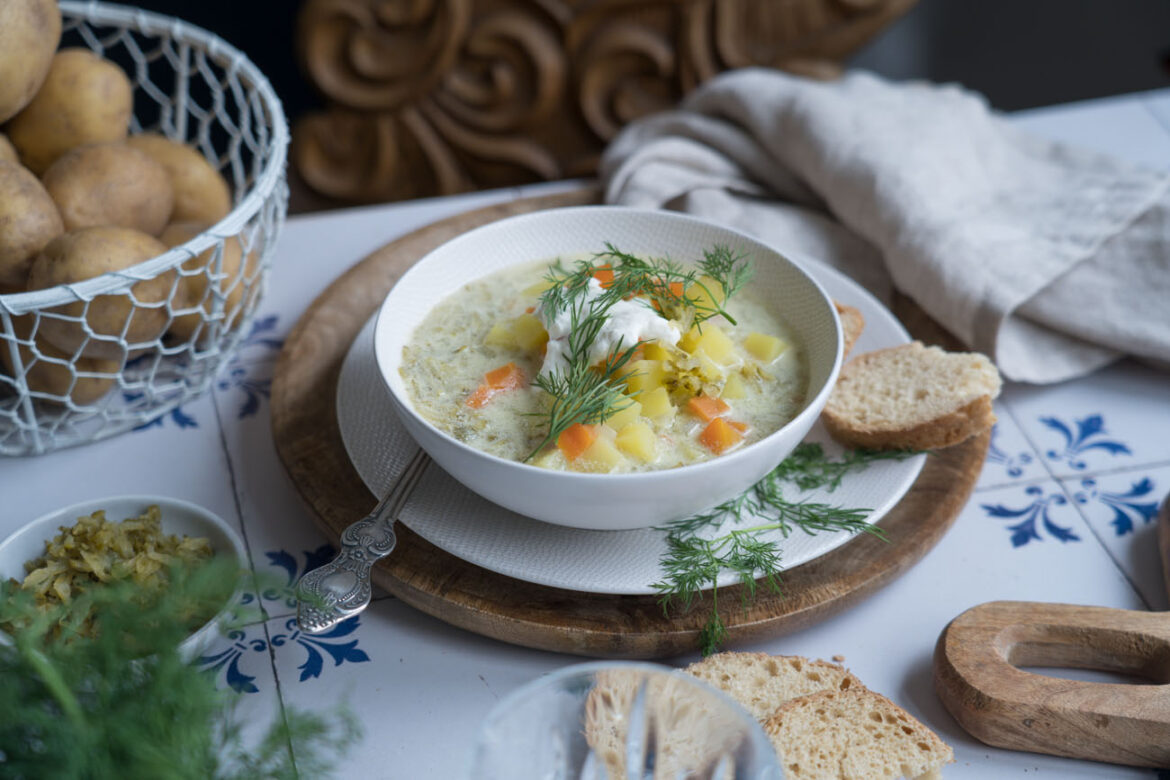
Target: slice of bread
{"points": [[912, 397], [762, 682], [853, 734], [852, 323], [678, 728]]}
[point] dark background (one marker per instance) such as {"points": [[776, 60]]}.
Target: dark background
{"points": [[1020, 53]]}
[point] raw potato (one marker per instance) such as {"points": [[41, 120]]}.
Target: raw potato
{"points": [[43, 375], [28, 221], [110, 184], [89, 252], [201, 193], [194, 288], [29, 33], [84, 100], [8, 151]]}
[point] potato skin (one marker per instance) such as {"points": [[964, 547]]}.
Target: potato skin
{"points": [[201, 193], [84, 100], [110, 184], [44, 376], [193, 288], [28, 221], [89, 252], [29, 33], [7, 150]]}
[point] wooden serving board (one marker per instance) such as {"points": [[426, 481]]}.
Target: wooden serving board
{"points": [[309, 443]]}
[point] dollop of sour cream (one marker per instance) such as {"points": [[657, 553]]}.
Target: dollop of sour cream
{"points": [[627, 323]]}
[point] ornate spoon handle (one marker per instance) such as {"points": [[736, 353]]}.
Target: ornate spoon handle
{"points": [[329, 594]]}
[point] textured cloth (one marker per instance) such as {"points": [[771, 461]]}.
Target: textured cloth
{"points": [[1052, 260]]}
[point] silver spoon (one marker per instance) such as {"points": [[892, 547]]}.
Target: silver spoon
{"points": [[331, 593]]}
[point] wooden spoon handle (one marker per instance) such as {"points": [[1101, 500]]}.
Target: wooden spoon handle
{"points": [[976, 676]]}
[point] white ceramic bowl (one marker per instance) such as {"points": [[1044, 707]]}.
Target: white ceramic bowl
{"points": [[605, 501], [177, 517]]}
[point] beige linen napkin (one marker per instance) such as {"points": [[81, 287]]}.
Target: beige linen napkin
{"points": [[1052, 260]]}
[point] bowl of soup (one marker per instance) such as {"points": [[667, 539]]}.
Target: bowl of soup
{"points": [[604, 367]]}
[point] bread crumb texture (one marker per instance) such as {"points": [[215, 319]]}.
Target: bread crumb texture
{"points": [[761, 682], [853, 735], [665, 713], [912, 397], [823, 722]]}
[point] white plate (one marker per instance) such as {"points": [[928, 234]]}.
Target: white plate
{"points": [[459, 521]]}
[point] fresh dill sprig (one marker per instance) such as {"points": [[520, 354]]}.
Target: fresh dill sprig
{"points": [[693, 562], [808, 468], [125, 702], [585, 394], [582, 395]]}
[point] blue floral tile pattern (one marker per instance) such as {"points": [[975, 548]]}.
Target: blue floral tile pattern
{"points": [[315, 644], [1089, 435], [1012, 464], [250, 378], [248, 647], [1034, 517], [177, 416], [1128, 509], [243, 377], [243, 648], [293, 571], [260, 336]]}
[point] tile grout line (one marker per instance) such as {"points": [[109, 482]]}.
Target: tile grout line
{"points": [[1028, 438], [1116, 562], [1117, 470], [1064, 490], [239, 509], [292, 754], [255, 580]]}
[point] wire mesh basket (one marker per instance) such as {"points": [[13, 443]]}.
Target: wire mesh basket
{"points": [[84, 361]]}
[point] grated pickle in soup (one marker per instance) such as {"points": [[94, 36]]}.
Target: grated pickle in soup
{"points": [[691, 392]]}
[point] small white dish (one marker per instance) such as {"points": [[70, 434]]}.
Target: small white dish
{"points": [[605, 501], [178, 517]]}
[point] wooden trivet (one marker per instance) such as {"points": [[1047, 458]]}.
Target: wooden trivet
{"points": [[309, 444]]}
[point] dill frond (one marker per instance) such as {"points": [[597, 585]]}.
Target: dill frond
{"points": [[695, 558], [124, 702], [584, 394]]}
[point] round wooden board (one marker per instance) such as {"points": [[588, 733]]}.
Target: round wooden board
{"points": [[309, 443]]}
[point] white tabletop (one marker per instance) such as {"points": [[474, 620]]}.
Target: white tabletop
{"points": [[1063, 512]]}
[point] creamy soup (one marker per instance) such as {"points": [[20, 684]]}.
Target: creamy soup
{"points": [[689, 396]]}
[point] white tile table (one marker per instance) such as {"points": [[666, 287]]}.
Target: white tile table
{"points": [[1062, 512]]}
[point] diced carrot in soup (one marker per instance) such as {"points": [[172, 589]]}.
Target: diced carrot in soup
{"points": [[575, 439], [480, 397], [507, 377], [707, 407], [719, 436]]}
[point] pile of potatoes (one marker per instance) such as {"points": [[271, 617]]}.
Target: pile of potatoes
{"points": [[80, 197]]}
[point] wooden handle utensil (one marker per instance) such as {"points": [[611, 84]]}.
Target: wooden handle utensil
{"points": [[977, 677]]}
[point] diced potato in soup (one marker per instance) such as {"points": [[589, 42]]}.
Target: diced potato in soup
{"points": [[692, 392]]}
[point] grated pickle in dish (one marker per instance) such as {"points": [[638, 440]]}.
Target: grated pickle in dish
{"points": [[96, 550]]}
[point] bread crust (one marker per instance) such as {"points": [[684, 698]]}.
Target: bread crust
{"points": [[958, 426], [920, 428], [929, 751], [852, 324]]}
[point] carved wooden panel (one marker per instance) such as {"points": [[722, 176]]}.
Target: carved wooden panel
{"points": [[433, 97]]}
